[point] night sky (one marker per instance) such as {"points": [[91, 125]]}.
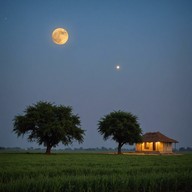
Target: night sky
{"points": [[151, 40]]}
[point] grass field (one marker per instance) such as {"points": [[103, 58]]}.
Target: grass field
{"points": [[76, 172]]}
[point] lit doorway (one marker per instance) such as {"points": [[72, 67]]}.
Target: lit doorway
{"points": [[154, 146]]}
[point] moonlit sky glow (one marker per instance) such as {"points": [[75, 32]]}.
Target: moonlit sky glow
{"points": [[151, 40]]}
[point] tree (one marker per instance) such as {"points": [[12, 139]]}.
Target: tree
{"points": [[49, 124], [122, 127]]}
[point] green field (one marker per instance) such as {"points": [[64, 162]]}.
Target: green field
{"points": [[95, 172]]}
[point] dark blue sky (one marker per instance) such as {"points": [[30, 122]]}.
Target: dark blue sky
{"points": [[151, 40]]}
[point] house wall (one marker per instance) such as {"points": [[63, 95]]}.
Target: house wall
{"points": [[157, 146], [167, 147]]}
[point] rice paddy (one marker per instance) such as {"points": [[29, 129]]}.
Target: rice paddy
{"points": [[82, 172]]}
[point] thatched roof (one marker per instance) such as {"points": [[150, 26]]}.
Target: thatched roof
{"points": [[157, 136]]}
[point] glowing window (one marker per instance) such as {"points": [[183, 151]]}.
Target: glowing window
{"points": [[146, 145]]}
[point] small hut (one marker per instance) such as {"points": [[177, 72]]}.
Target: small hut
{"points": [[155, 142]]}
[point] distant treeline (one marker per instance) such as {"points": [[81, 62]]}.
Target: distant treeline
{"points": [[65, 149], [185, 149], [81, 149]]}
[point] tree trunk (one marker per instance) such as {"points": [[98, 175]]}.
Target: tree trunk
{"points": [[119, 149], [48, 150]]}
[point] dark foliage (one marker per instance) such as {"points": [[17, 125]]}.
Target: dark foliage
{"points": [[49, 124], [122, 127]]}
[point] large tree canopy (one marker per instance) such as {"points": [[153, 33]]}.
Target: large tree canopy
{"points": [[49, 124], [122, 127]]}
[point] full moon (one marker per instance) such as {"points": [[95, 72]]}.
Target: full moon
{"points": [[60, 36]]}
